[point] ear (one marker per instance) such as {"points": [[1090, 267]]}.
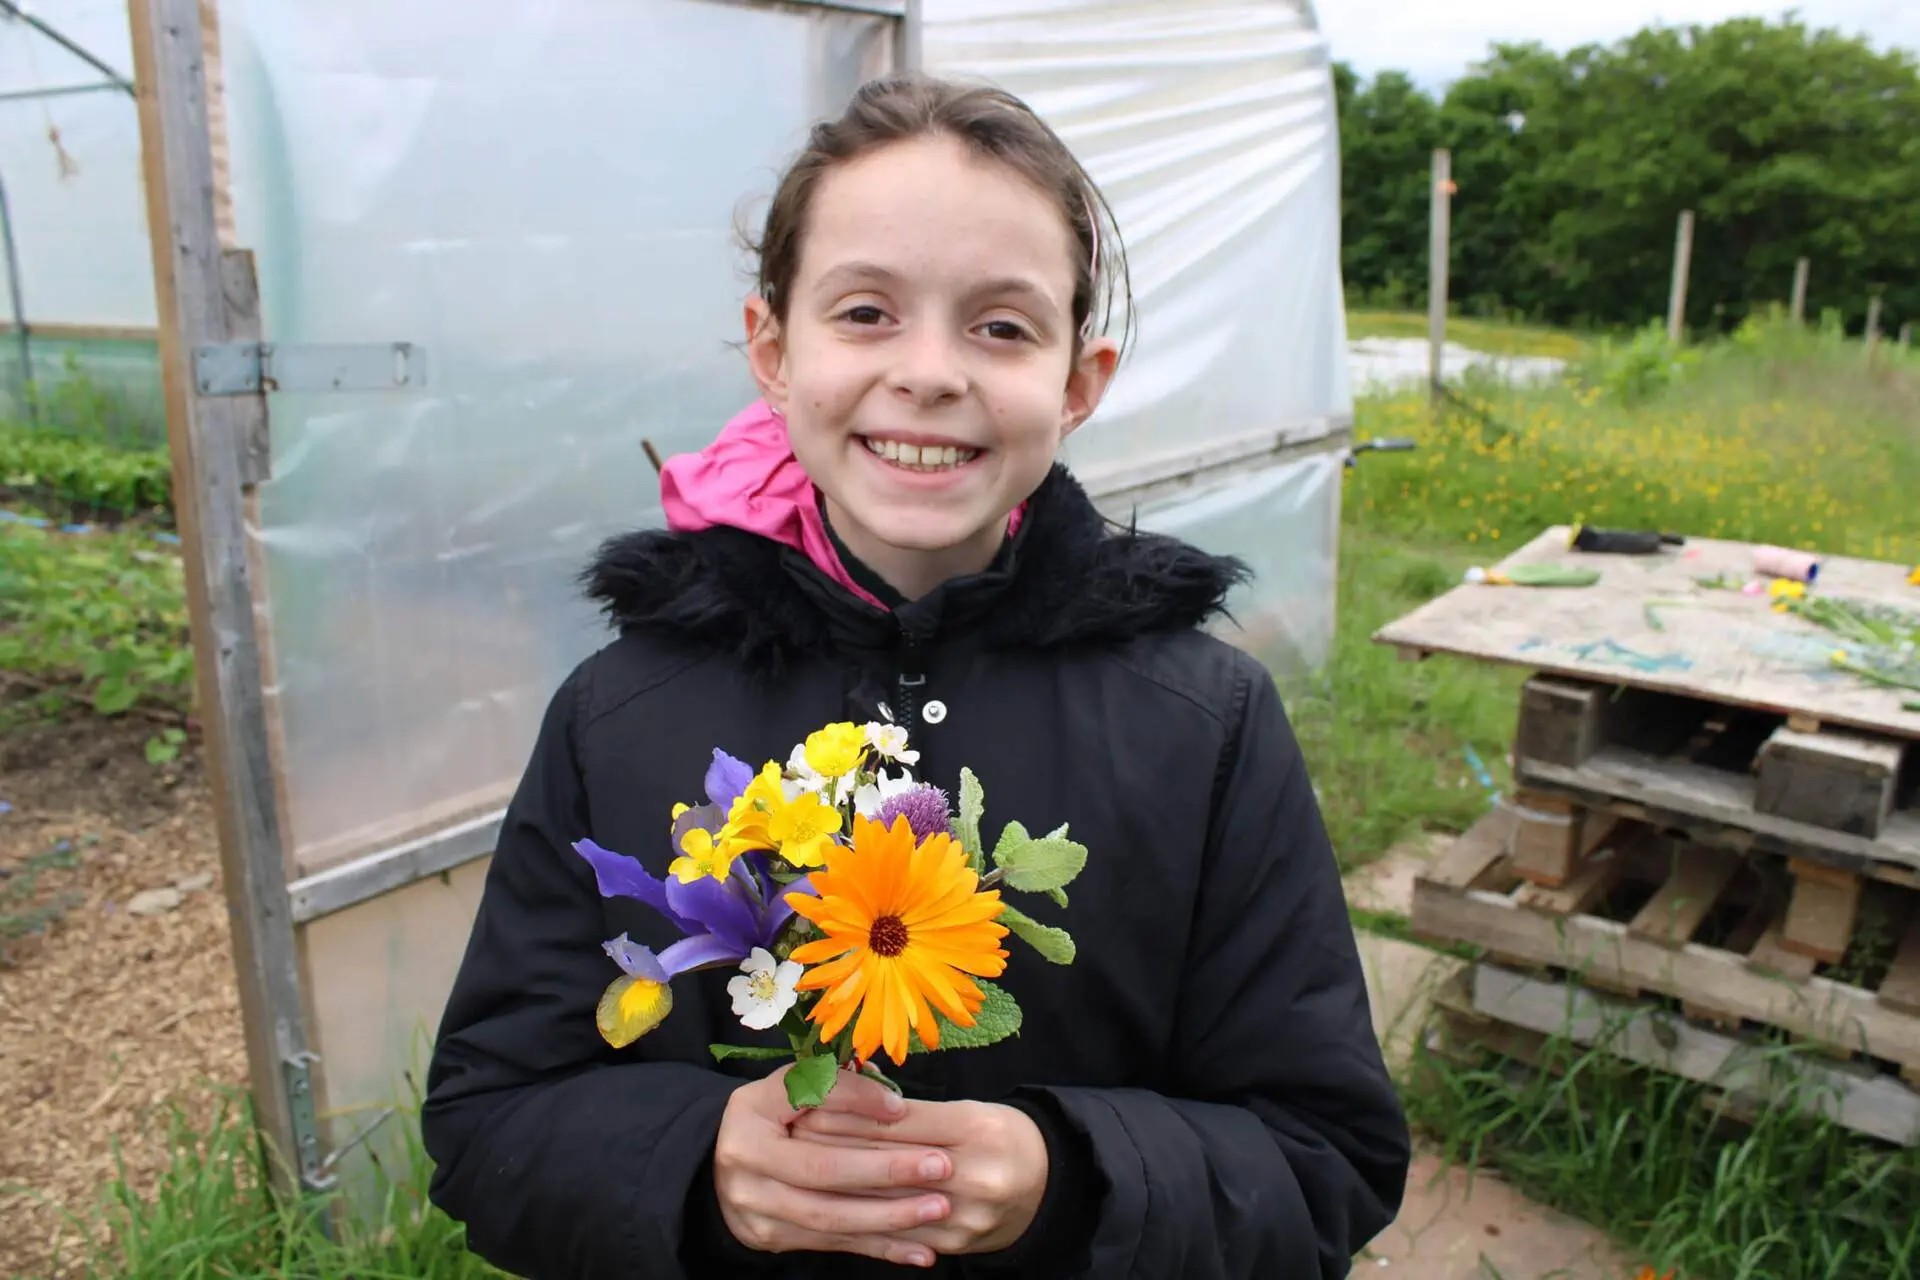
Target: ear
{"points": [[767, 352], [1087, 382]]}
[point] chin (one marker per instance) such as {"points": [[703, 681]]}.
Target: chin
{"points": [[925, 531]]}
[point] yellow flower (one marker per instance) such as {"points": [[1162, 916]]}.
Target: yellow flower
{"points": [[1787, 589], [905, 926], [702, 855], [1913, 579], [755, 807], [803, 830], [835, 751]]}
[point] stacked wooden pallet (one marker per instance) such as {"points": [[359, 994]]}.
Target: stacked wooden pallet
{"points": [[1680, 876]]}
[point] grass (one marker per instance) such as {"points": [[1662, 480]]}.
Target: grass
{"points": [[211, 1214], [1497, 337], [1648, 1155]]}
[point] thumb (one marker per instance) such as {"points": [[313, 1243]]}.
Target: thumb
{"points": [[858, 1095]]}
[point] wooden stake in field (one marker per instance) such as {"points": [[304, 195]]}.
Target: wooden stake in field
{"points": [[1682, 264], [1906, 335], [1873, 326], [1801, 270], [1439, 249]]}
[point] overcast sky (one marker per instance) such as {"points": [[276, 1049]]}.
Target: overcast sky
{"points": [[1435, 40]]}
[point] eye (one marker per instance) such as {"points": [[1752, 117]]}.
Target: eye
{"points": [[863, 314], [1005, 331]]}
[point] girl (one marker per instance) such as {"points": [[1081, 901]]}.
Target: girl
{"points": [[1200, 1094]]}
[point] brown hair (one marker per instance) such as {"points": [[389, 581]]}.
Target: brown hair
{"points": [[993, 124]]}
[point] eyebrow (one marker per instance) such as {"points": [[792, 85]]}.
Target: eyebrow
{"points": [[851, 273]]}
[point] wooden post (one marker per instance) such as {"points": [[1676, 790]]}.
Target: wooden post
{"points": [[907, 43], [203, 297], [1682, 264], [1439, 249], [1906, 335], [1801, 270], [1873, 326]]}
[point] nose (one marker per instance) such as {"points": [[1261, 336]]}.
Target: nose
{"points": [[928, 368]]}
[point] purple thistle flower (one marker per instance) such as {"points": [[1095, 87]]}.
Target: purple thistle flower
{"points": [[925, 809]]}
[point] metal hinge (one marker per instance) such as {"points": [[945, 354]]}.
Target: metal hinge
{"points": [[314, 1174], [317, 1172], [249, 368]]}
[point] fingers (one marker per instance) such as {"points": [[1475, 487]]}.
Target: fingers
{"points": [[857, 1095], [822, 1167], [772, 1217], [935, 1124]]}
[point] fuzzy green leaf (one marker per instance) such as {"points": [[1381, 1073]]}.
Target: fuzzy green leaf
{"points": [[1053, 944], [811, 1080], [966, 828], [1036, 866], [1059, 896], [750, 1052], [999, 1017]]}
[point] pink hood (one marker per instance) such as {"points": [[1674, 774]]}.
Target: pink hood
{"points": [[749, 479]]}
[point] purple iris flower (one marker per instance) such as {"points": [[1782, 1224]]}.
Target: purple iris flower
{"points": [[726, 779], [723, 921]]}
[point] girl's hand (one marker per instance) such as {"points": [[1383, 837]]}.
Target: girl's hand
{"points": [[999, 1165], [781, 1193]]}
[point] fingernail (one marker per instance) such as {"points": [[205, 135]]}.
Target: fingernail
{"points": [[896, 1105], [933, 1167], [919, 1260], [929, 1211]]}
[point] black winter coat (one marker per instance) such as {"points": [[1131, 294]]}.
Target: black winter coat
{"points": [[1205, 1074]]}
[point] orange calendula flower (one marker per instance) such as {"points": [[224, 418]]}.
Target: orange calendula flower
{"points": [[905, 925]]}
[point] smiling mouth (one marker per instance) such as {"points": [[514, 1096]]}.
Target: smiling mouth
{"points": [[914, 457]]}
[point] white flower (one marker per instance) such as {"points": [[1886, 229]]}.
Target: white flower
{"points": [[868, 799], [889, 741], [762, 993]]}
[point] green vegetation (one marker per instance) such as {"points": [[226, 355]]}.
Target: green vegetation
{"points": [[100, 617], [1496, 337], [212, 1214], [1572, 169], [82, 476], [1650, 1155]]}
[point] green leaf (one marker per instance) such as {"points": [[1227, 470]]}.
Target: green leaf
{"points": [[811, 1080], [161, 749], [973, 807], [1053, 944], [749, 1052], [1059, 896], [115, 696], [1037, 866], [999, 1017]]}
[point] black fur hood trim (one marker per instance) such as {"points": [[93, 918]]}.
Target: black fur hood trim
{"points": [[1072, 579]]}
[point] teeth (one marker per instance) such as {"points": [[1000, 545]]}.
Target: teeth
{"points": [[920, 457]]}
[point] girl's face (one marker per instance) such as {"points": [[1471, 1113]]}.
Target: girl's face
{"points": [[926, 367]]}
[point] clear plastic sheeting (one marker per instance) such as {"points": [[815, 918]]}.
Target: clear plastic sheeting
{"points": [[71, 165], [543, 196], [1284, 521], [1210, 127]]}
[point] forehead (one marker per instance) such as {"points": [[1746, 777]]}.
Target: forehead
{"points": [[930, 207]]}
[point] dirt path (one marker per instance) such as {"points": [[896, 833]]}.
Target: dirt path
{"points": [[118, 1004]]}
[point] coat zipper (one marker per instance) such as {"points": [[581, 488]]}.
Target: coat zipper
{"points": [[912, 680]]}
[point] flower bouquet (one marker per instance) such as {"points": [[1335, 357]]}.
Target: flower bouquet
{"points": [[857, 905]]}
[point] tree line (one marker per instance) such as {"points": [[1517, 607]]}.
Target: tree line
{"points": [[1572, 170]]}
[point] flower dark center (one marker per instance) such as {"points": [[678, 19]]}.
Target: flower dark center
{"points": [[888, 937]]}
